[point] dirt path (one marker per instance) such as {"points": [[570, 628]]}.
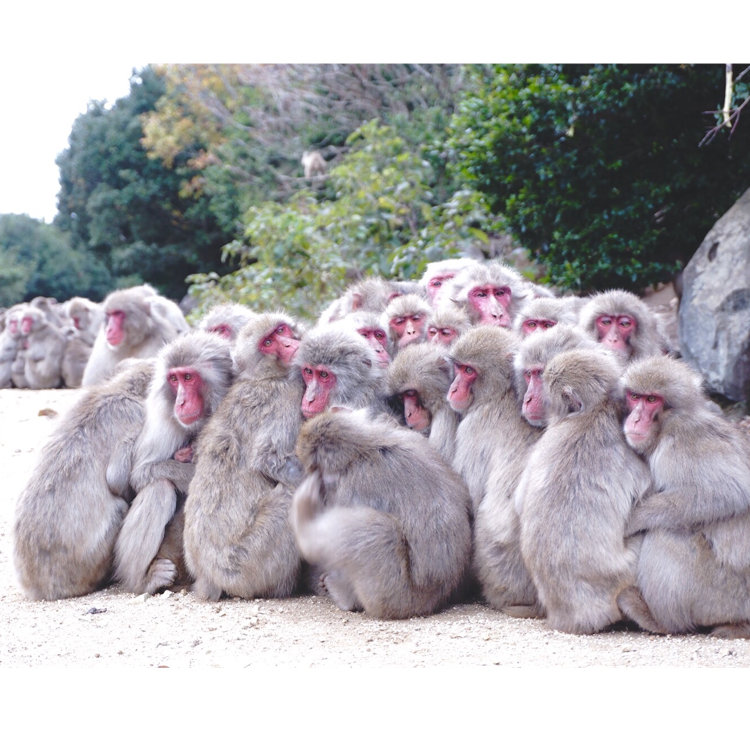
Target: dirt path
{"points": [[116, 629]]}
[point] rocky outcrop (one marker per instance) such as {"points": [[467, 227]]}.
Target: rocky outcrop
{"points": [[714, 314]]}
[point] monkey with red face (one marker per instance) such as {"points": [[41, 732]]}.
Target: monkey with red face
{"points": [[406, 317], [192, 375], [367, 324], [621, 322], [437, 275], [489, 293], [542, 313], [445, 324], [226, 320]]}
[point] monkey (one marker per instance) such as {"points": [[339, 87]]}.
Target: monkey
{"points": [[532, 357], [371, 294], [490, 293], [314, 164], [576, 493], [420, 377], [367, 324], [381, 514], [44, 348], [445, 324], [406, 318], [238, 539], [226, 319], [438, 273], [694, 564], [492, 442], [51, 309], [541, 313], [87, 318], [339, 368], [619, 321], [138, 323], [191, 376], [10, 343], [68, 515]]}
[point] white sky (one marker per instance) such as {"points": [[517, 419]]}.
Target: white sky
{"points": [[55, 59]]}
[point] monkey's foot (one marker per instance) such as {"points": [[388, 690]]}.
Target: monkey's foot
{"points": [[632, 605], [161, 574], [734, 630], [523, 610], [206, 590], [339, 589]]}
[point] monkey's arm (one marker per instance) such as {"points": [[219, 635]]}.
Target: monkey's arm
{"points": [[119, 468], [686, 509], [177, 472]]}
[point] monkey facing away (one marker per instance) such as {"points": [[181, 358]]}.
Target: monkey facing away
{"points": [[69, 514], [694, 564], [238, 539], [381, 514], [576, 494], [192, 375]]}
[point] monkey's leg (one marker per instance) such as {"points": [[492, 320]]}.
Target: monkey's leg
{"points": [[733, 630], [339, 588], [633, 606]]}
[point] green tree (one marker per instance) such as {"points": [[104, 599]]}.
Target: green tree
{"points": [[597, 168], [37, 259], [128, 210], [382, 220]]}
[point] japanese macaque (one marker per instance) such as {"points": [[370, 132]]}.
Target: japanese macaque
{"points": [[420, 376], [540, 313], [87, 318], [313, 164], [533, 354], [10, 342], [694, 564], [381, 515], [51, 309], [372, 295], [14, 316], [339, 368], [406, 317], [492, 443], [238, 540], [192, 375], [619, 321], [490, 293], [138, 322], [367, 324], [44, 348], [226, 319], [438, 273], [576, 494], [446, 324], [69, 514]]}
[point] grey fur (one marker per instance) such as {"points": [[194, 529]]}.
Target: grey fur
{"points": [[694, 565], [576, 494], [382, 514], [71, 510], [238, 539], [156, 475], [45, 346]]}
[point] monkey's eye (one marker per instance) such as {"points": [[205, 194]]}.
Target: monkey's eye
{"points": [[398, 321], [379, 335], [531, 324], [416, 318], [625, 322], [605, 320], [479, 293], [432, 330], [447, 332], [267, 342], [651, 399], [501, 291], [549, 323], [323, 374], [188, 376], [307, 371], [469, 370], [172, 378], [436, 282]]}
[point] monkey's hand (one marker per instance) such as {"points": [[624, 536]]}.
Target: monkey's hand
{"points": [[662, 510], [184, 455]]}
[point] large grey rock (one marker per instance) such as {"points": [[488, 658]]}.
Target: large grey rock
{"points": [[714, 313]]}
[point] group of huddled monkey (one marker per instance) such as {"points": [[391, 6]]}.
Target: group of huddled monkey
{"points": [[466, 435]]}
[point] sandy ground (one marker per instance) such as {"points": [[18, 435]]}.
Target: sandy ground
{"points": [[112, 628]]}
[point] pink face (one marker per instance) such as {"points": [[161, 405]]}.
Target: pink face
{"points": [[77, 322], [224, 330], [26, 323], [532, 325], [642, 424], [490, 305], [533, 402], [460, 394], [13, 326], [319, 383], [377, 339], [614, 331], [416, 416], [187, 387], [408, 329], [115, 331], [442, 336], [280, 343], [435, 285]]}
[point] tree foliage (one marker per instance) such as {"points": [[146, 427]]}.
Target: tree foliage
{"points": [[597, 168], [382, 220], [37, 259], [127, 210]]}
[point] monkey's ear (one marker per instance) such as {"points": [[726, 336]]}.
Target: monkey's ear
{"points": [[356, 300], [571, 399]]}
